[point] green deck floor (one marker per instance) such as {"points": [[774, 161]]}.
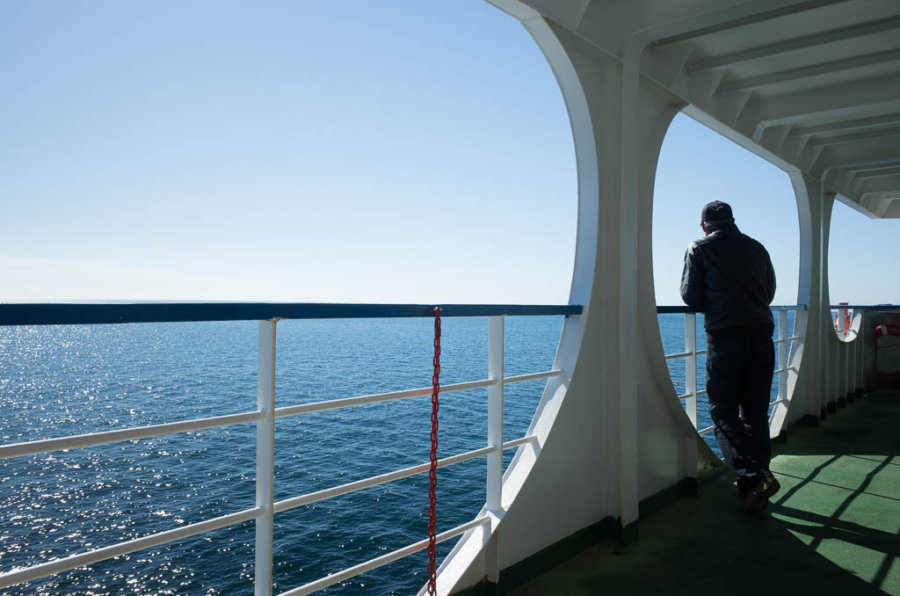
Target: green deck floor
{"points": [[834, 528]]}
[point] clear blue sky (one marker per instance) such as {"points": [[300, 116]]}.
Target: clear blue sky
{"points": [[401, 151]]}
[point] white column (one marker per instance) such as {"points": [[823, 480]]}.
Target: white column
{"points": [[588, 419], [813, 386], [627, 253], [265, 458], [829, 338]]}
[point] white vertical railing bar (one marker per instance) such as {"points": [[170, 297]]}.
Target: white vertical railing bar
{"points": [[493, 490], [853, 348], [848, 349], [782, 355], [857, 361], [265, 459], [690, 366], [495, 412]]}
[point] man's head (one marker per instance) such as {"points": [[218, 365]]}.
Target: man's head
{"points": [[715, 213]]}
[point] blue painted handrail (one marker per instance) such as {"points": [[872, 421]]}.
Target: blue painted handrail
{"points": [[866, 306], [670, 310], [159, 312], [183, 312]]}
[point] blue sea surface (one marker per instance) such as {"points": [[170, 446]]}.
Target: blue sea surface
{"points": [[66, 380]]}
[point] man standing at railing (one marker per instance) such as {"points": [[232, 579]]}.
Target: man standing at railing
{"points": [[728, 276]]}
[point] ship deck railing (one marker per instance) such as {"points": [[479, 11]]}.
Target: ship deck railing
{"points": [[265, 414], [268, 315], [782, 341]]}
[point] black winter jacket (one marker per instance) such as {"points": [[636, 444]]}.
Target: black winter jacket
{"points": [[729, 277]]}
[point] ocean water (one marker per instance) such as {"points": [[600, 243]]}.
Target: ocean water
{"points": [[66, 380]]}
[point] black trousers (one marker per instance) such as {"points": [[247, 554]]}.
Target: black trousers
{"points": [[738, 383]]}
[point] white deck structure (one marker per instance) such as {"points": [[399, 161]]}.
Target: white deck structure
{"points": [[812, 86]]}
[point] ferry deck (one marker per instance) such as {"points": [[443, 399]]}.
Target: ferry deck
{"points": [[809, 85]]}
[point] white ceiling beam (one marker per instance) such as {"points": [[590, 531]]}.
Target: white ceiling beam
{"points": [[855, 154], [804, 72], [880, 186], [887, 131], [862, 177], [876, 172], [841, 125], [743, 21], [862, 98], [844, 176], [870, 203], [880, 203], [891, 210], [797, 43]]}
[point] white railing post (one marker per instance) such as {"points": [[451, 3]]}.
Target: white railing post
{"points": [[848, 355], [495, 413], [782, 356], [857, 360], [845, 369], [690, 366], [494, 489], [265, 458]]}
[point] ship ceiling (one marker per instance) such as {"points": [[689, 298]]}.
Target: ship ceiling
{"points": [[812, 85]]}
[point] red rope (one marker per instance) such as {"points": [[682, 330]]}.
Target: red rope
{"points": [[432, 472]]}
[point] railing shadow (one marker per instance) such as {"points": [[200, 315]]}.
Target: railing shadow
{"points": [[842, 508]]}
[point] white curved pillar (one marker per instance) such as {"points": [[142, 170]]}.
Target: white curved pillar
{"points": [[815, 382], [611, 431]]}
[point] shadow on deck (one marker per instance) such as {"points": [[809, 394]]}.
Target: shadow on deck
{"points": [[833, 529]]}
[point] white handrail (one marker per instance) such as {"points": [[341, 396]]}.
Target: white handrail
{"points": [[519, 441], [108, 552], [158, 430], [266, 507], [348, 402], [691, 352], [126, 434], [350, 487], [334, 578]]}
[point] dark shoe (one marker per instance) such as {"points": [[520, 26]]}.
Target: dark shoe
{"points": [[758, 496]]}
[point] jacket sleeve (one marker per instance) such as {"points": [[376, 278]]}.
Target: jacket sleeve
{"points": [[693, 287]]}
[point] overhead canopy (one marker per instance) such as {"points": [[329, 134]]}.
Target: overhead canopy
{"points": [[812, 85]]}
